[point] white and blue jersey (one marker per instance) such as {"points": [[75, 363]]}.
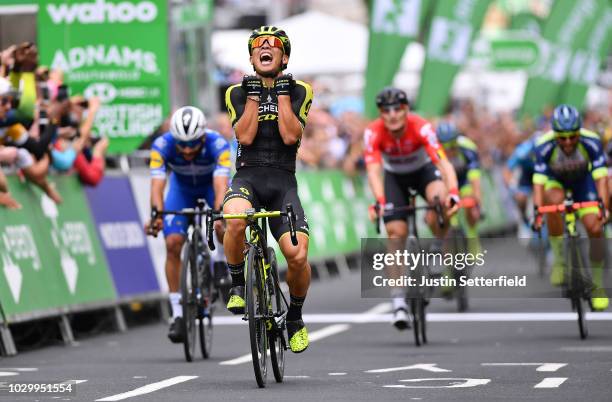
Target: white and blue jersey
{"points": [[189, 180], [523, 158]]}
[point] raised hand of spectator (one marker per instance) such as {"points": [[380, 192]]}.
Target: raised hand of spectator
{"points": [[7, 57], [26, 57]]}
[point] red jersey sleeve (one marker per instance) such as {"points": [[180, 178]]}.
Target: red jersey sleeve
{"points": [[371, 151], [428, 138]]}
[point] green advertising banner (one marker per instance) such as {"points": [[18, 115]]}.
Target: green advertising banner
{"points": [[452, 30], [566, 29], [50, 256], [587, 61], [116, 50], [393, 24]]}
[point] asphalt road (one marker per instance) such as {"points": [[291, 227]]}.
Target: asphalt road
{"points": [[488, 354]]}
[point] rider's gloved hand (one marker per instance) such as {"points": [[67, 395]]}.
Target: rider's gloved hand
{"points": [[252, 85], [283, 84], [377, 209], [536, 222], [452, 202]]}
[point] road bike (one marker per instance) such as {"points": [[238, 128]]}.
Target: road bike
{"points": [[198, 292], [418, 296], [578, 284], [267, 306]]}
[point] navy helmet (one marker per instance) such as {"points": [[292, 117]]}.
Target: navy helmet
{"points": [[566, 118]]}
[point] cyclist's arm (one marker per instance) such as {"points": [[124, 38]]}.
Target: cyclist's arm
{"points": [[599, 169], [288, 124], [157, 193], [540, 176], [448, 172], [157, 167], [373, 162], [374, 171], [243, 113], [220, 185], [293, 112], [222, 172]]}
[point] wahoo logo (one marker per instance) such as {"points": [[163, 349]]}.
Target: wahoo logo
{"points": [[102, 11]]}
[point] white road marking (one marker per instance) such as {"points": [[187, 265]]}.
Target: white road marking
{"points": [[453, 383], [425, 366], [138, 377], [360, 318], [550, 382], [333, 374], [20, 369], [313, 337], [586, 348], [297, 376], [7, 373], [74, 382], [147, 389], [547, 367]]}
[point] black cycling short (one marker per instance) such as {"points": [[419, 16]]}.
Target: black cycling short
{"points": [[397, 185], [272, 189]]}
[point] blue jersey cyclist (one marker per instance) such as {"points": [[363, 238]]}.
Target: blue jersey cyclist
{"points": [[522, 159], [197, 161], [463, 155], [572, 158]]}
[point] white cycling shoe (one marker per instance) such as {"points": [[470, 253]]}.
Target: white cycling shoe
{"points": [[400, 319]]}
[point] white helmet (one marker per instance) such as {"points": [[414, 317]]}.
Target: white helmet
{"points": [[188, 124]]}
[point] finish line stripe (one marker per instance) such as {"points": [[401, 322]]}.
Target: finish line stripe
{"points": [[432, 317]]}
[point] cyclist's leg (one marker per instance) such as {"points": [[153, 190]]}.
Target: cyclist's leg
{"points": [[281, 192], [239, 197], [586, 191], [397, 231], [553, 195], [175, 232], [430, 186], [472, 218]]}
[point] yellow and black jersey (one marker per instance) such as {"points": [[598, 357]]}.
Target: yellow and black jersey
{"points": [[268, 148]]}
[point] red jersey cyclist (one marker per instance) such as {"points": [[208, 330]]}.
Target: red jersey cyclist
{"points": [[402, 152]]}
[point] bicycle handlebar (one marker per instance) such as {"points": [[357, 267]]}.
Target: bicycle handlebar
{"points": [[252, 215]]}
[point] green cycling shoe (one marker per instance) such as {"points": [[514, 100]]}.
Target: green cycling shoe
{"points": [[236, 303], [298, 336], [599, 300]]}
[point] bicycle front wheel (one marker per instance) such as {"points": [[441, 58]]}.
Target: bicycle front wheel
{"points": [[189, 300], [577, 284], [276, 335], [257, 307], [417, 309]]}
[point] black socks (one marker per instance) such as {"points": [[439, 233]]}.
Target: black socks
{"points": [[295, 308], [237, 272]]}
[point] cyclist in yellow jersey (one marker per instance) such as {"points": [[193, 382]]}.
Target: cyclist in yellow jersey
{"points": [[268, 111]]}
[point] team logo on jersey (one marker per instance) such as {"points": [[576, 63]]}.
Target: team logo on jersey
{"points": [[156, 160], [244, 191], [224, 159]]}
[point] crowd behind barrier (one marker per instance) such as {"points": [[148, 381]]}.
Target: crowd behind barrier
{"points": [[44, 127]]}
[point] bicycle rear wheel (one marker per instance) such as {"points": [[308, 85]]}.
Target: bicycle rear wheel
{"points": [[416, 309], [276, 336], [257, 307], [460, 247], [189, 299]]}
